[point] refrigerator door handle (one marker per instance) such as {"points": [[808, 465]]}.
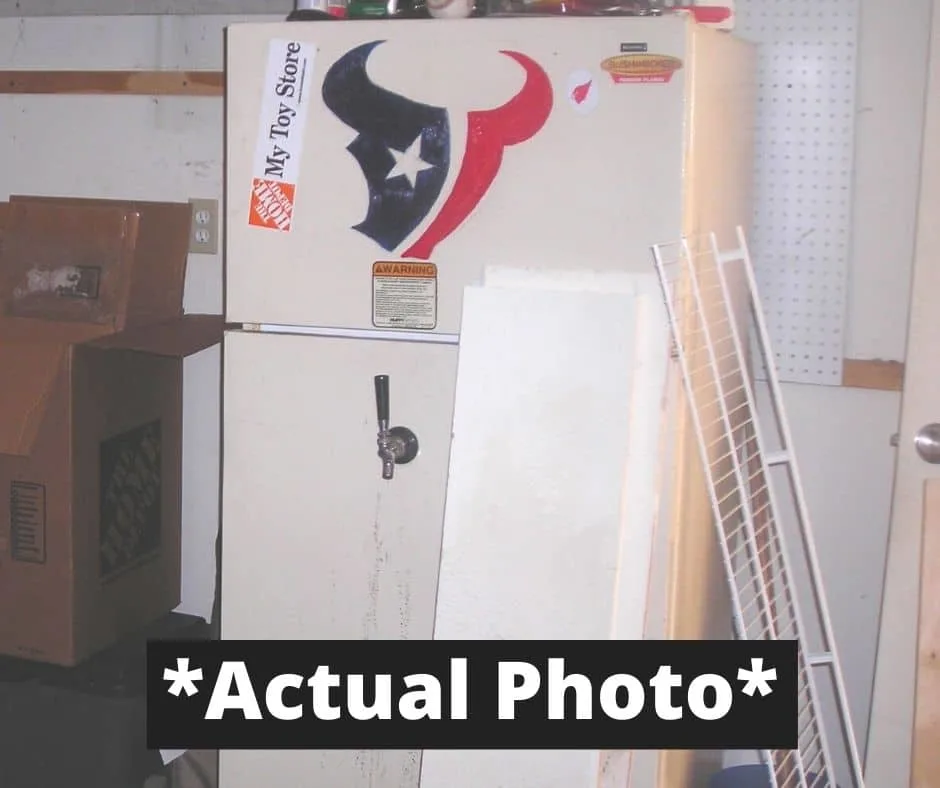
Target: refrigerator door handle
{"points": [[397, 445]]}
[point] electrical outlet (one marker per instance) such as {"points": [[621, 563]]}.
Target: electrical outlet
{"points": [[204, 236]]}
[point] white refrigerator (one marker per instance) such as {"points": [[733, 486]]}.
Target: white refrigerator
{"points": [[375, 170]]}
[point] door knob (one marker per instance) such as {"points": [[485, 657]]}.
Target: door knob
{"points": [[927, 443], [397, 445]]}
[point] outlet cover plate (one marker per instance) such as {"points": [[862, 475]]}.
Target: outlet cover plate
{"points": [[204, 234]]}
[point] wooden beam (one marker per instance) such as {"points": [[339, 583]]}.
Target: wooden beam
{"points": [[874, 374], [39, 8], [128, 83]]}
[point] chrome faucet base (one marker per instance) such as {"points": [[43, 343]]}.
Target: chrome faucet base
{"points": [[397, 446]]}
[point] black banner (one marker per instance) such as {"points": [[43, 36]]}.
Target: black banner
{"points": [[438, 694]]}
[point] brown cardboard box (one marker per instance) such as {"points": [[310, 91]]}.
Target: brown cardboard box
{"points": [[92, 339], [144, 289]]}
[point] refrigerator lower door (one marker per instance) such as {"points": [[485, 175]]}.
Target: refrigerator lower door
{"points": [[317, 545]]}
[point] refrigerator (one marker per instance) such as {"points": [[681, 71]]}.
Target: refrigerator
{"points": [[374, 171]]}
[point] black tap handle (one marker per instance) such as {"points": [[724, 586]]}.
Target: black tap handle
{"points": [[381, 397]]}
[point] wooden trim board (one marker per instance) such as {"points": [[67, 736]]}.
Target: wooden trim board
{"points": [[78, 8], [873, 374], [128, 83]]}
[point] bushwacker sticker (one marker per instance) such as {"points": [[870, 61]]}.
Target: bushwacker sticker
{"points": [[284, 103], [641, 67]]}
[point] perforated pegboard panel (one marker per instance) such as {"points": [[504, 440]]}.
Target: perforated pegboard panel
{"points": [[800, 237]]}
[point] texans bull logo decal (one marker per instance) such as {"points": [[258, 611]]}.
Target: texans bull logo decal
{"points": [[403, 149]]}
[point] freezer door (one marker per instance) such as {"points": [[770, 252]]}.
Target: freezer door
{"points": [[316, 544], [375, 169]]}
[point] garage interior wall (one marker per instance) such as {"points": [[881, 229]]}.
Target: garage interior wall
{"points": [[170, 148]]}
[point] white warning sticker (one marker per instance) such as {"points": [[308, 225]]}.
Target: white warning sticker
{"points": [[282, 126], [404, 295]]}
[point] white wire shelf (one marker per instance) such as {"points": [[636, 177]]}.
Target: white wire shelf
{"points": [[710, 331]]}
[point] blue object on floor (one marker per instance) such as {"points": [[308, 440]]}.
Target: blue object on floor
{"points": [[748, 776]]}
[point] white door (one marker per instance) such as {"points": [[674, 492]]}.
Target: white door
{"points": [[317, 545], [888, 761]]}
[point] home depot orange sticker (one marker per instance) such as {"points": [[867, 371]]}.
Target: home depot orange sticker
{"points": [[641, 67], [404, 295], [272, 204], [282, 125]]}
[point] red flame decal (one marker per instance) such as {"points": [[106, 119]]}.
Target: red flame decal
{"points": [[580, 92]]}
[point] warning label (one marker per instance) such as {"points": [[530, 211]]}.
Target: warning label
{"points": [[404, 295], [28, 522]]}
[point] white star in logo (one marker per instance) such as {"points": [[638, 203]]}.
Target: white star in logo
{"points": [[408, 163], [183, 679], [757, 679]]}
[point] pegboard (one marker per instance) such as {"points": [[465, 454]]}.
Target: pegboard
{"points": [[805, 135]]}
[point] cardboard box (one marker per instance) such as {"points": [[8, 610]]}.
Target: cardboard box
{"points": [[92, 338]]}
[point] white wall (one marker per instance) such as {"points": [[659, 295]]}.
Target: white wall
{"points": [[171, 149]]}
